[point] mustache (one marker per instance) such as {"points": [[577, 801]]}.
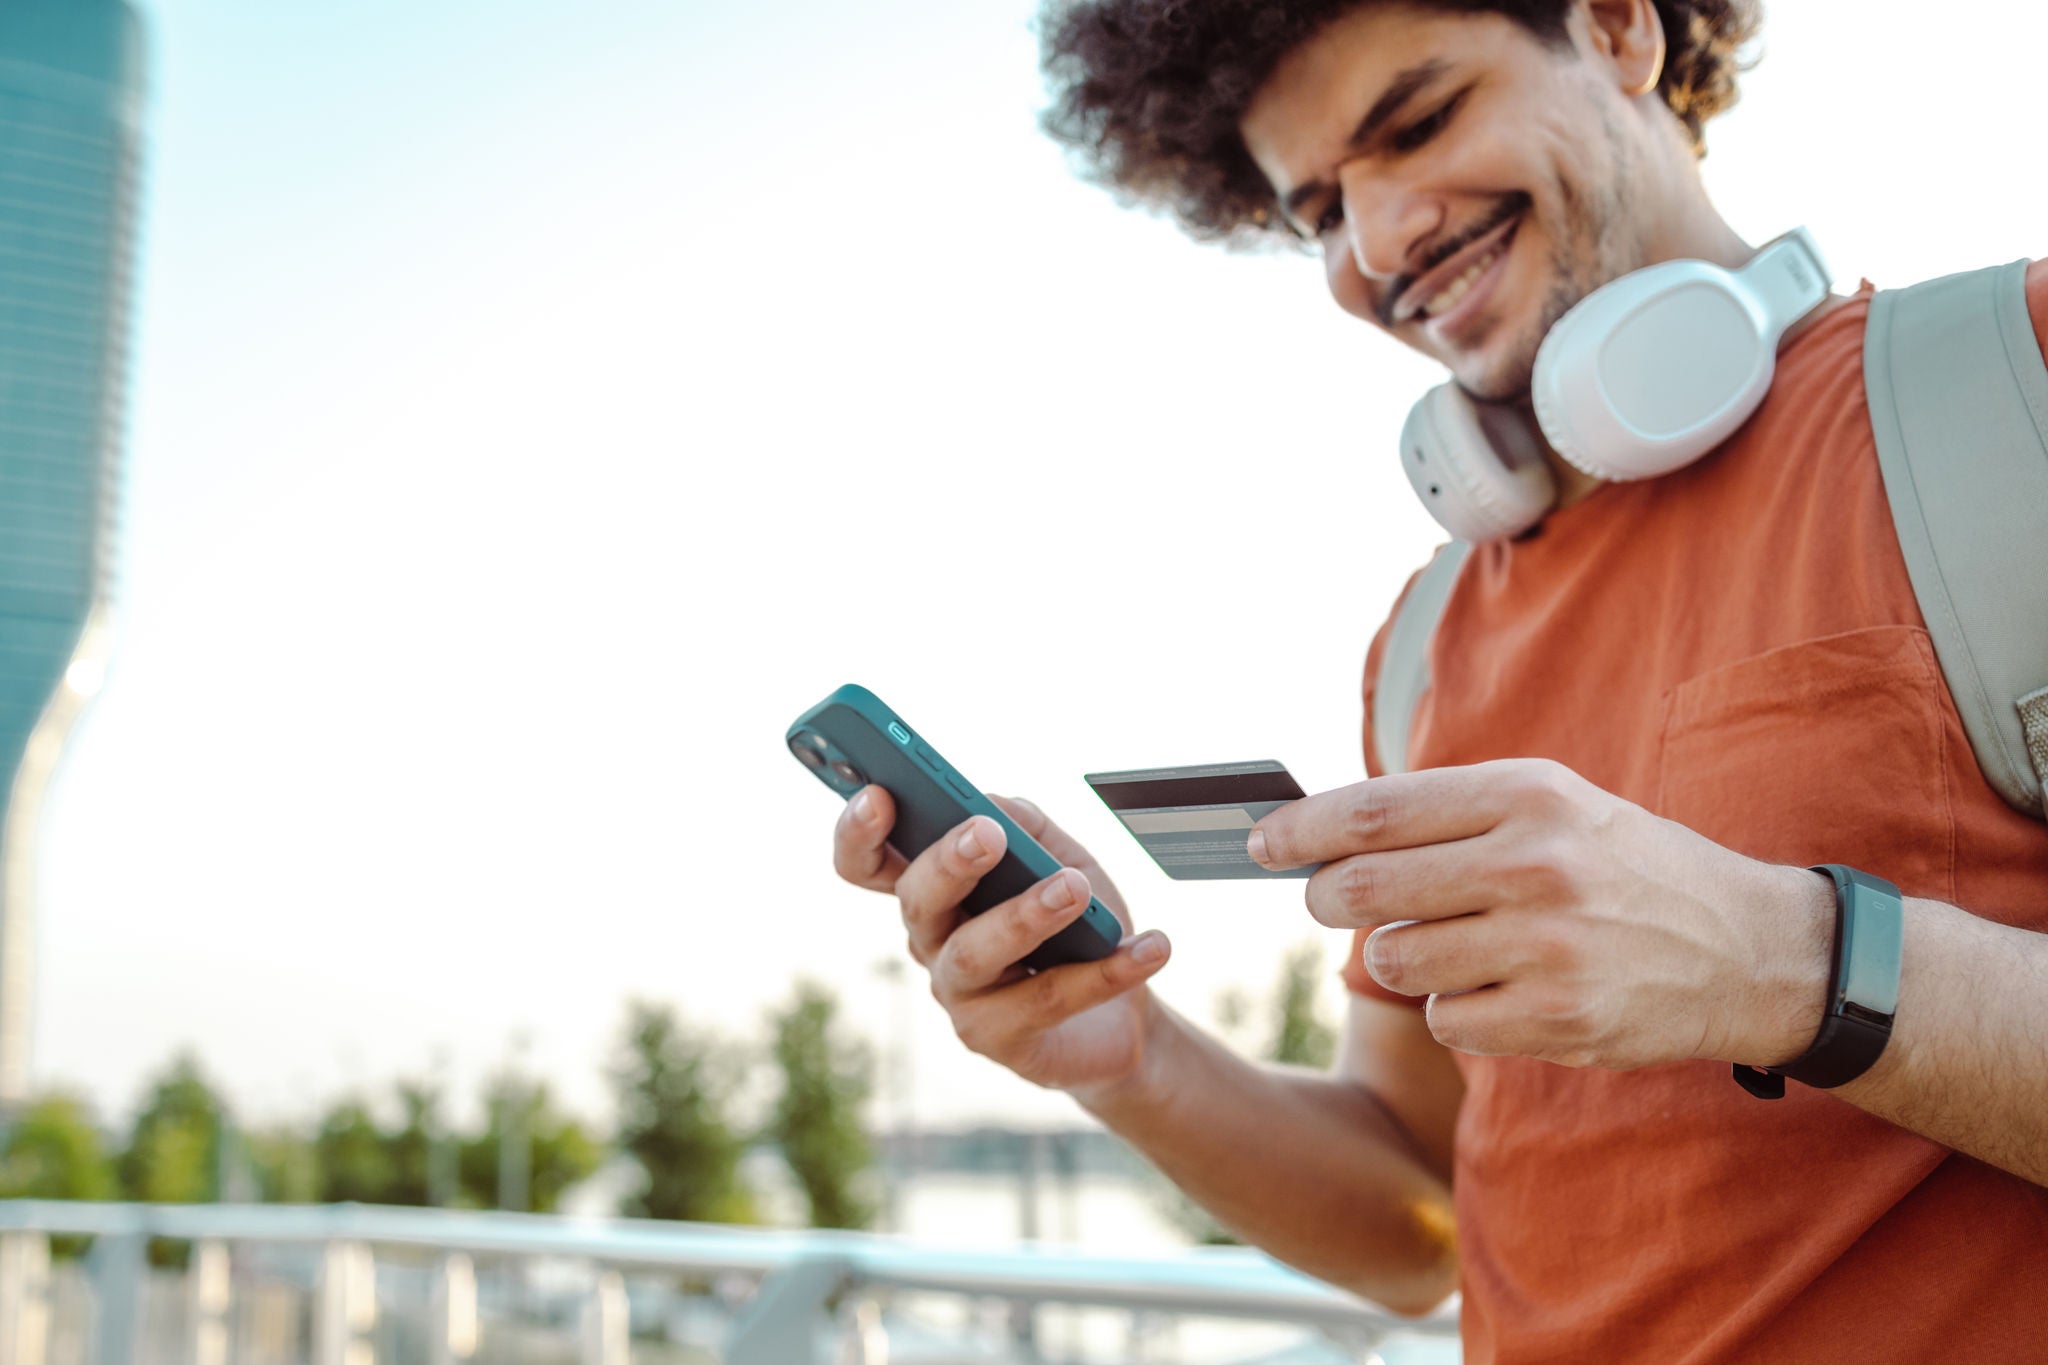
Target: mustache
{"points": [[1508, 206]]}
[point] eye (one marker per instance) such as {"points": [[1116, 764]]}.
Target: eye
{"points": [[1419, 133], [1331, 218]]}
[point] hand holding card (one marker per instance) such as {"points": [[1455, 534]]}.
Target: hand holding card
{"points": [[1193, 820]]}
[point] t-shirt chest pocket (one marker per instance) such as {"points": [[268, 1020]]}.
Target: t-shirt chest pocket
{"points": [[1829, 750]]}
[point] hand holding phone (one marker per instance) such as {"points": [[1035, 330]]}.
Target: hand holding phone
{"points": [[1079, 1026], [851, 739]]}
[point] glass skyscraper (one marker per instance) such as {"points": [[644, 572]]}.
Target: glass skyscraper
{"points": [[71, 82]]}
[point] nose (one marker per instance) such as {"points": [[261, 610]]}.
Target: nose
{"points": [[1386, 220]]}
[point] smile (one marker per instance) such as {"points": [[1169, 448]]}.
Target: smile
{"points": [[1442, 289], [1452, 294]]}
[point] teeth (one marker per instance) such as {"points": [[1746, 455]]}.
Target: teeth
{"points": [[1452, 294]]}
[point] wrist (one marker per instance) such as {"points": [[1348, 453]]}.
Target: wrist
{"points": [[1140, 1087], [1788, 1000]]}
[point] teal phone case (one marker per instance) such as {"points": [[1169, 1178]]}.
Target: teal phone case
{"points": [[932, 798]]}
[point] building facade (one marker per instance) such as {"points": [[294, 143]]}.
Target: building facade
{"points": [[71, 90]]}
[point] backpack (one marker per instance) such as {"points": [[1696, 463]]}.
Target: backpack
{"points": [[1957, 354]]}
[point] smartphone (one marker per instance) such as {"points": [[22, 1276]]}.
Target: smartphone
{"points": [[851, 739]]}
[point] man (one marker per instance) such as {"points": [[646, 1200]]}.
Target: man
{"points": [[1648, 717]]}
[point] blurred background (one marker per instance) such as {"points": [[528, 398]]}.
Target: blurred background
{"points": [[531, 408]]}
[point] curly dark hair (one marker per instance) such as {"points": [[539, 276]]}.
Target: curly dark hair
{"points": [[1149, 93]]}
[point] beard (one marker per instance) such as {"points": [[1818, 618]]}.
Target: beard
{"points": [[1589, 248]]}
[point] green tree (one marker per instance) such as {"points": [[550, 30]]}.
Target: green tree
{"points": [[411, 1146], [353, 1156], [1301, 1034], [559, 1151], [173, 1154], [673, 1087], [826, 1081], [53, 1151], [287, 1166]]}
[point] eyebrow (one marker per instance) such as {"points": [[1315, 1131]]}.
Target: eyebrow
{"points": [[1403, 88]]}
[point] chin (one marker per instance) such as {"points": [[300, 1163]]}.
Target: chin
{"points": [[1500, 378]]}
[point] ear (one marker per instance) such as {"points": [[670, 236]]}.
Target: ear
{"points": [[1628, 37]]}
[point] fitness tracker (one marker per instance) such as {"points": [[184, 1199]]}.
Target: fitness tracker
{"points": [[1863, 989]]}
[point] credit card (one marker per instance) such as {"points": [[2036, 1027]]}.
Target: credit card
{"points": [[1193, 821]]}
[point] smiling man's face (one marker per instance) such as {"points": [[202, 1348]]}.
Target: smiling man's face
{"points": [[1467, 180]]}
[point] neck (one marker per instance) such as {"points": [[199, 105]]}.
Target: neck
{"points": [[1699, 233]]}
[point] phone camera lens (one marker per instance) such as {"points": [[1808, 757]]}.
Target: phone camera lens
{"points": [[805, 748], [848, 773]]}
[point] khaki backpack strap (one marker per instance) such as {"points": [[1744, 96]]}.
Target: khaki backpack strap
{"points": [[1404, 666], [1959, 403]]}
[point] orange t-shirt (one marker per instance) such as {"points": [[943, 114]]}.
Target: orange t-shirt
{"points": [[1736, 647]]}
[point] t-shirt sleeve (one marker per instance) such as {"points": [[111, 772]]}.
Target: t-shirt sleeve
{"points": [[2037, 303], [1356, 979]]}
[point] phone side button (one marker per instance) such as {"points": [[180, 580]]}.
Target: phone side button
{"points": [[960, 785], [927, 757]]}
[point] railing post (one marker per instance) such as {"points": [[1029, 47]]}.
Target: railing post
{"points": [[347, 1310], [606, 1335], [208, 1287], [454, 1316], [783, 1324], [119, 1268], [863, 1339], [24, 1297]]}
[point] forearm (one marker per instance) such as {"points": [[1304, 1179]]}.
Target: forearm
{"points": [[1307, 1166], [1967, 1064]]}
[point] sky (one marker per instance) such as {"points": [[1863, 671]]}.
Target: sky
{"points": [[537, 406]]}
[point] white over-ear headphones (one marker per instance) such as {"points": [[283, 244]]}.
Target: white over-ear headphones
{"points": [[1643, 376]]}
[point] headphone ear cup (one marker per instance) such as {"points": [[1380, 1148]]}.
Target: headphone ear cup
{"points": [[1651, 371], [1469, 486]]}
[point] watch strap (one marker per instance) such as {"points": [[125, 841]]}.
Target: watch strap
{"points": [[1863, 989]]}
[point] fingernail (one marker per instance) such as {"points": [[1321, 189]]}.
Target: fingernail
{"points": [[864, 805], [1150, 948], [974, 842], [1058, 893], [1256, 847]]}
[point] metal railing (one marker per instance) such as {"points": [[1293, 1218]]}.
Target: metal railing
{"points": [[814, 1294]]}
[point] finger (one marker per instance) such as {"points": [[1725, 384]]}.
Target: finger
{"points": [[1447, 956], [1436, 881], [860, 851], [980, 953], [1062, 846], [938, 879], [1403, 810], [1039, 826], [1495, 1021], [1019, 1014]]}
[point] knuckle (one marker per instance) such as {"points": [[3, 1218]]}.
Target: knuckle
{"points": [[1045, 998], [1546, 867], [1361, 888], [1369, 816], [1551, 786], [960, 959], [1563, 1017]]}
